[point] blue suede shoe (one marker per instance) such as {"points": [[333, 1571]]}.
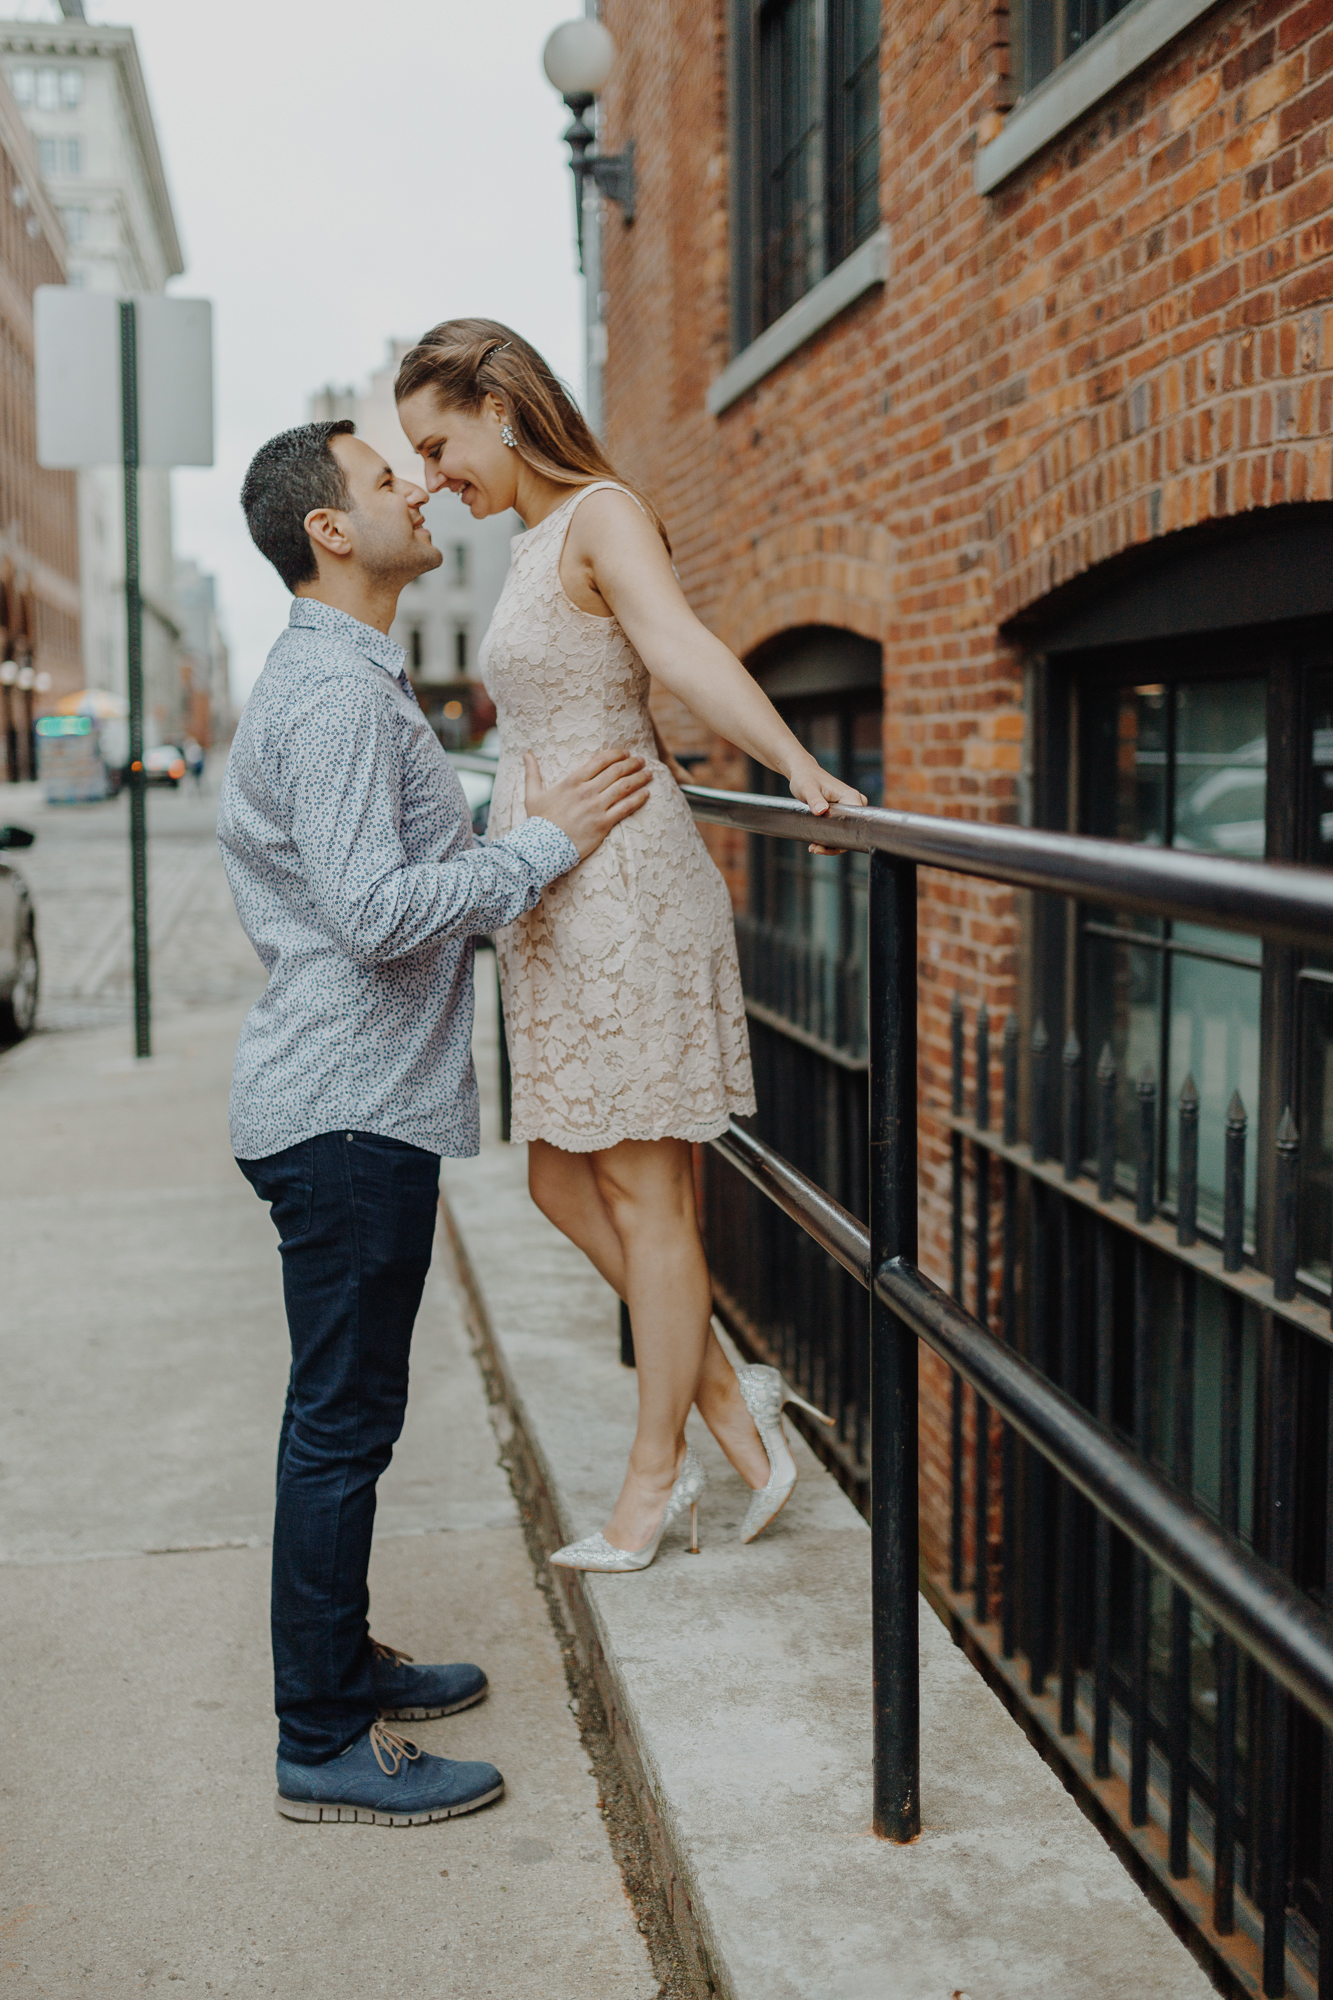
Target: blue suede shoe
{"points": [[381, 1780], [407, 1693]]}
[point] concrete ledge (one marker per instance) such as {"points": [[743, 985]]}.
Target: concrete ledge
{"points": [[845, 283], [1128, 41], [738, 1688]]}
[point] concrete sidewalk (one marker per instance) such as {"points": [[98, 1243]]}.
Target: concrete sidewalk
{"points": [[142, 1349], [740, 1685]]}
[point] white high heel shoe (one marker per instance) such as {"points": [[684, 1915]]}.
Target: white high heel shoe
{"points": [[765, 1393], [595, 1552]]}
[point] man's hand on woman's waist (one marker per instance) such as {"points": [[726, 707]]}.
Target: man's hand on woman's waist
{"points": [[594, 797]]}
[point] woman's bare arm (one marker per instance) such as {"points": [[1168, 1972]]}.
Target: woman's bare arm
{"points": [[614, 561]]}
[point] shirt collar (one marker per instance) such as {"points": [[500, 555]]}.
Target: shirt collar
{"points": [[314, 615]]}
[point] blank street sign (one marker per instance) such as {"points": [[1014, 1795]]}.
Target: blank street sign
{"points": [[77, 336]]}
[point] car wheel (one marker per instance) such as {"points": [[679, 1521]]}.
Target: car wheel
{"points": [[18, 1013]]}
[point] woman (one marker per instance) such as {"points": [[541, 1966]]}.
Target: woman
{"points": [[622, 995]]}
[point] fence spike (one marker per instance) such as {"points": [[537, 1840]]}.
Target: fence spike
{"points": [[1011, 1033], [1145, 1206], [1041, 1049], [1106, 1078], [1233, 1186], [1187, 1176], [1073, 1132], [1284, 1207]]}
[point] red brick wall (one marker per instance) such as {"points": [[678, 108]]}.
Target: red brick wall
{"points": [[1127, 339]]}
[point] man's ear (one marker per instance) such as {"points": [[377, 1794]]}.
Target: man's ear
{"points": [[325, 529]]}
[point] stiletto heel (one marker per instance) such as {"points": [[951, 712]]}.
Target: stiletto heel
{"points": [[765, 1394], [596, 1553]]}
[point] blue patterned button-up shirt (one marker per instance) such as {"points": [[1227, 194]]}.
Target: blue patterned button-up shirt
{"points": [[350, 852]]}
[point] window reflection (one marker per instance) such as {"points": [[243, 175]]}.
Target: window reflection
{"points": [[1181, 765]]}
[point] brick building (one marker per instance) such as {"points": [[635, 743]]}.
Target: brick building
{"points": [[39, 536], [981, 364]]}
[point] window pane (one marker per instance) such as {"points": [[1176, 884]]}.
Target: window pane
{"points": [[854, 27], [71, 88], [1221, 768], [1124, 985], [48, 90], [47, 157], [791, 227], [21, 83], [73, 156], [1315, 1119], [1126, 764], [1315, 1114]]}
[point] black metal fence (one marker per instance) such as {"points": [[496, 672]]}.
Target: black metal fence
{"points": [[1157, 1581]]}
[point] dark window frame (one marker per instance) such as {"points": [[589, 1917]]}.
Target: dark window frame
{"points": [[1050, 31], [845, 213]]}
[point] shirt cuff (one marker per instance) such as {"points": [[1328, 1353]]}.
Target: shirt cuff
{"points": [[547, 851]]}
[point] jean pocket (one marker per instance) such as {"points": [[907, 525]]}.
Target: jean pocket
{"points": [[286, 1181]]}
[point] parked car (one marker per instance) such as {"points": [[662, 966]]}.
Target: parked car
{"points": [[19, 970], [165, 765]]}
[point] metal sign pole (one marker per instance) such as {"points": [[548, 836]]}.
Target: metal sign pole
{"points": [[129, 391]]}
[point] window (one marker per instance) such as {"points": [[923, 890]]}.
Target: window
{"points": [[60, 156], [21, 82], [806, 147], [460, 649], [1049, 31], [48, 90], [71, 88], [1177, 766], [76, 224], [460, 564], [804, 936]]}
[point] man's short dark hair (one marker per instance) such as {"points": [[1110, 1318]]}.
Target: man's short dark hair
{"points": [[289, 476]]}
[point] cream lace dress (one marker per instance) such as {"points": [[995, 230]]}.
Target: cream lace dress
{"points": [[622, 994]]}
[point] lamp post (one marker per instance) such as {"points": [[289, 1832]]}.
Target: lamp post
{"points": [[577, 60]]}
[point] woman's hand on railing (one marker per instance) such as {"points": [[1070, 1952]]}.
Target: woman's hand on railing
{"points": [[819, 789]]}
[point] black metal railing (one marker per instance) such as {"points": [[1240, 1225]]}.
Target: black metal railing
{"points": [[1080, 1538]]}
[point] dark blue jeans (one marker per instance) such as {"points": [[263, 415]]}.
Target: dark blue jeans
{"points": [[355, 1216]]}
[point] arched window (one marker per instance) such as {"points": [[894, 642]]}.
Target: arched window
{"points": [[804, 938]]}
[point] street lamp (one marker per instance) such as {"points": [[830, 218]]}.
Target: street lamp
{"points": [[577, 60]]}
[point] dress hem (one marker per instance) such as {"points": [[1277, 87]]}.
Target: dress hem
{"points": [[579, 1142]]}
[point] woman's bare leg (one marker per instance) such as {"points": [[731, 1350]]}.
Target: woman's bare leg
{"points": [[567, 1190], [564, 1187]]}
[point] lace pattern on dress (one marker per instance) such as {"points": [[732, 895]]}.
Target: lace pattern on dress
{"points": [[621, 988]]}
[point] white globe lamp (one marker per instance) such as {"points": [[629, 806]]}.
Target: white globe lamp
{"points": [[578, 57]]}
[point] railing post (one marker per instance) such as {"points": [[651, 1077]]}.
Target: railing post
{"points": [[893, 1354]]}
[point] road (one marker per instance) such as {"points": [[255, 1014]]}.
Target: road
{"points": [[142, 1352]]}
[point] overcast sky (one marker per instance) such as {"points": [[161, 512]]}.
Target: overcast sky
{"points": [[341, 174]]}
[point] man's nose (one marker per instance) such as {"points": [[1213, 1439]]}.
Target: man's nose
{"points": [[416, 496]]}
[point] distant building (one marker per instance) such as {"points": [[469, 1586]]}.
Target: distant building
{"points": [[39, 532], [82, 94], [443, 616], [206, 699]]}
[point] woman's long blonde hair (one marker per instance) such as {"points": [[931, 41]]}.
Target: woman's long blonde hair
{"points": [[465, 360]]}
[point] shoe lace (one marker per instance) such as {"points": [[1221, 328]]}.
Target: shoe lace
{"points": [[392, 1654], [391, 1750]]}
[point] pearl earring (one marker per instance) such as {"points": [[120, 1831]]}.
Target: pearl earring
{"points": [[507, 436]]}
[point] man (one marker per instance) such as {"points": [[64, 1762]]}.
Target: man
{"points": [[351, 858]]}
